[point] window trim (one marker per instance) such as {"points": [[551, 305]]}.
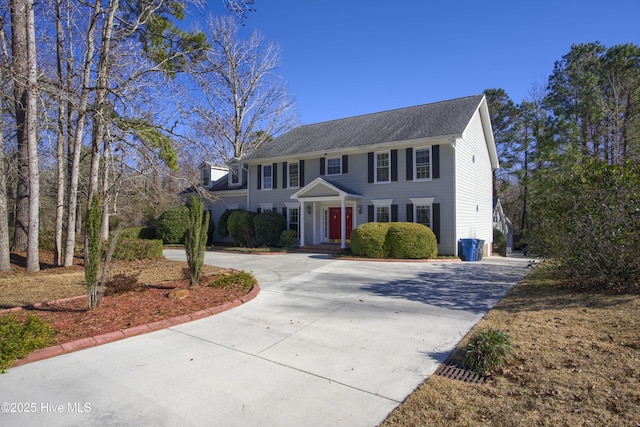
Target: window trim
{"points": [[423, 201], [326, 168], [375, 167], [264, 169], [381, 203], [290, 206], [415, 164], [289, 164]]}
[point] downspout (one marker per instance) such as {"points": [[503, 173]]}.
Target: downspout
{"points": [[248, 169], [452, 141]]}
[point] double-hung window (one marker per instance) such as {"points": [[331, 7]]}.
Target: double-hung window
{"points": [[422, 164], [267, 177], [294, 175], [334, 166], [293, 219], [422, 210], [383, 167], [382, 210]]}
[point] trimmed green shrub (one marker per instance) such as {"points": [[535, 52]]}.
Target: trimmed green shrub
{"points": [[18, 340], [138, 233], [370, 240], [499, 242], [132, 249], [223, 231], [173, 225], [408, 240], [289, 238], [242, 279], [488, 349], [268, 226], [240, 226]]}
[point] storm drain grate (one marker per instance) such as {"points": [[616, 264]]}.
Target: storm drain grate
{"points": [[455, 373]]}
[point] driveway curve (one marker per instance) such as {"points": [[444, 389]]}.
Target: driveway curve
{"points": [[326, 343]]}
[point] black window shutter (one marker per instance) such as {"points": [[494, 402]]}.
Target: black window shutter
{"points": [[409, 164], [435, 153], [259, 210], [370, 212], [301, 172], [259, 177], [345, 164], [435, 221], [394, 213], [410, 212], [322, 160], [274, 175], [284, 174], [284, 211], [370, 167], [394, 165]]}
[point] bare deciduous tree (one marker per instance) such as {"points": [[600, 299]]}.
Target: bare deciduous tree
{"points": [[244, 101]]}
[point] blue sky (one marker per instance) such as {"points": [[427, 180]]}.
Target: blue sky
{"points": [[348, 57]]}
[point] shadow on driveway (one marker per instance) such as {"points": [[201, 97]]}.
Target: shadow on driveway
{"points": [[473, 288]]}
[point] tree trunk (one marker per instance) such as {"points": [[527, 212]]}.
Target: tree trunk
{"points": [[33, 254], [19, 47], [5, 254], [25, 80], [75, 148]]}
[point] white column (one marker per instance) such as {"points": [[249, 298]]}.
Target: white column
{"points": [[343, 223], [301, 215]]}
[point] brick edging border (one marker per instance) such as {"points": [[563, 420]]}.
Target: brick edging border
{"points": [[84, 343]]}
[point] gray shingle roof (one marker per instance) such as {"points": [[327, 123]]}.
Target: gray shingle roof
{"points": [[422, 121]]}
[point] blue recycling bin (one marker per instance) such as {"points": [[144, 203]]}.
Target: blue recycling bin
{"points": [[470, 249], [467, 249]]}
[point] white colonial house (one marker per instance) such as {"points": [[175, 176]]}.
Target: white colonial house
{"points": [[430, 164]]}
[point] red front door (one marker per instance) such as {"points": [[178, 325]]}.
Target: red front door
{"points": [[335, 224]]}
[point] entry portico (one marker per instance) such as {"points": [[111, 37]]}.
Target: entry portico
{"points": [[318, 199]]}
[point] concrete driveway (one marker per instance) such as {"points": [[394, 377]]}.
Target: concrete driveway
{"points": [[326, 343]]}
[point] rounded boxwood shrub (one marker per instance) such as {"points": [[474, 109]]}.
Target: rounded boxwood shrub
{"points": [[19, 338], [289, 238], [408, 240], [222, 223], [370, 240], [173, 224], [133, 249], [240, 227], [268, 226]]}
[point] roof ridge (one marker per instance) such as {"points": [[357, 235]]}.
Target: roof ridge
{"points": [[391, 110]]}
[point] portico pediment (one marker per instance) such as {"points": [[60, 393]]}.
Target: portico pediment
{"points": [[321, 189]]}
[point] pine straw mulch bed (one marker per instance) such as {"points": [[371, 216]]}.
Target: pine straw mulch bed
{"points": [[149, 302]]}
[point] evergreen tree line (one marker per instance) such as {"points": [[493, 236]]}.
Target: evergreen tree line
{"points": [[569, 156]]}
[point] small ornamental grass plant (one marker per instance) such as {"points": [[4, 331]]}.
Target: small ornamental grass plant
{"points": [[488, 350]]}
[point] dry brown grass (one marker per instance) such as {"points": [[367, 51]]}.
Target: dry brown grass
{"points": [[578, 364]]}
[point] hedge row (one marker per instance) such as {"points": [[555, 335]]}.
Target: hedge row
{"points": [[404, 240]]}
